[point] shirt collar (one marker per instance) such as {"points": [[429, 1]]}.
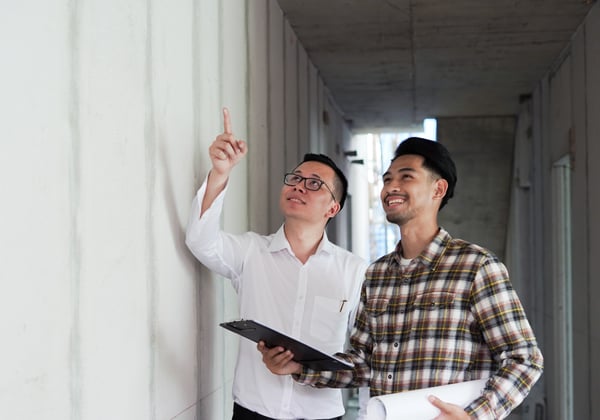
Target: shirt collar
{"points": [[280, 242], [432, 253]]}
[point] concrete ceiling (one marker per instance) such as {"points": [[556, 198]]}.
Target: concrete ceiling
{"points": [[392, 63]]}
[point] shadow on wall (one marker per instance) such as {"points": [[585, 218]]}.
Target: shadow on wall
{"points": [[174, 363], [177, 226], [211, 373]]}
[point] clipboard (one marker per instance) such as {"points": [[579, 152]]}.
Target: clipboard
{"points": [[303, 353]]}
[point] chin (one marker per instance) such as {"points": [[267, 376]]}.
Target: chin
{"points": [[397, 219]]}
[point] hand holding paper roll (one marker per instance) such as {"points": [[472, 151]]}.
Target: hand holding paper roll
{"points": [[415, 405], [448, 411]]}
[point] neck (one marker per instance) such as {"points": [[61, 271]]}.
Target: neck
{"points": [[303, 239], [416, 237]]}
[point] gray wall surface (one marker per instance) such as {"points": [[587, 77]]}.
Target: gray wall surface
{"points": [[561, 119], [482, 150]]}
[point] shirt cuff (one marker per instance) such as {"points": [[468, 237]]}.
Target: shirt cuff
{"points": [[307, 377], [480, 409]]}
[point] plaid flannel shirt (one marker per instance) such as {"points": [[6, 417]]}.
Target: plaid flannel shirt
{"points": [[450, 316]]}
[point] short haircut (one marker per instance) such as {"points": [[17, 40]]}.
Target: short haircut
{"points": [[437, 159], [341, 183]]}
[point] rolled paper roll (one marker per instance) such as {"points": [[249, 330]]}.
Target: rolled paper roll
{"points": [[414, 405]]}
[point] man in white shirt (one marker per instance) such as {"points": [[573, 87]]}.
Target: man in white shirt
{"points": [[294, 280]]}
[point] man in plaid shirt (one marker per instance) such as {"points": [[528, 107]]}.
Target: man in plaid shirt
{"points": [[437, 310]]}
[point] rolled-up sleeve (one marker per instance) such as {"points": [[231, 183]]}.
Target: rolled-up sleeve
{"points": [[510, 339]]}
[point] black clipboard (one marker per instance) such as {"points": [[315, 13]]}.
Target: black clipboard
{"points": [[303, 353]]}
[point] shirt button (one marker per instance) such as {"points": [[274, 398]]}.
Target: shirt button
{"points": [[389, 376], [396, 344]]}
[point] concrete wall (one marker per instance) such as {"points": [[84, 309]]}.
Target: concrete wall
{"points": [[108, 108], [482, 150], [561, 119]]}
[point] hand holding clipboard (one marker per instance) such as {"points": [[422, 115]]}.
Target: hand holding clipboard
{"points": [[303, 353]]}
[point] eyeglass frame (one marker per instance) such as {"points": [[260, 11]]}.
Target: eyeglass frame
{"points": [[305, 178]]}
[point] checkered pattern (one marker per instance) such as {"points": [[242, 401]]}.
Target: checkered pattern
{"points": [[450, 316]]}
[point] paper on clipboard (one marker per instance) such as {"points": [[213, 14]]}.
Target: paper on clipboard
{"points": [[414, 405], [303, 353]]}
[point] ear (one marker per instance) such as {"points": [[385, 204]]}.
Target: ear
{"points": [[440, 188], [333, 210]]}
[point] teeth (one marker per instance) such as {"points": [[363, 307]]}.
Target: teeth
{"points": [[396, 201]]}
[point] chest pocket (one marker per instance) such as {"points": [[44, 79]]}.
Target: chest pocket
{"points": [[329, 321], [376, 309], [376, 306], [431, 313], [433, 300]]}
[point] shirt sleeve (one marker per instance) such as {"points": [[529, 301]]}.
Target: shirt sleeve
{"points": [[219, 251], [511, 341]]}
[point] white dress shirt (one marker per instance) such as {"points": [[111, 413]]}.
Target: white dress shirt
{"points": [[313, 302]]}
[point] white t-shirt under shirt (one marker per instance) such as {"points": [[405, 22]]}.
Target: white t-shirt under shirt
{"points": [[276, 289], [405, 262]]}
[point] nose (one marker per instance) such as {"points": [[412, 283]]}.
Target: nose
{"points": [[392, 186], [300, 187]]}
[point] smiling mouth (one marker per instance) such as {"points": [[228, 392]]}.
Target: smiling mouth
{"points": [[394, 200]]}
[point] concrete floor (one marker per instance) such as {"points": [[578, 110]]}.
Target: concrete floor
{"points": [[351, 414], [351, 409]]}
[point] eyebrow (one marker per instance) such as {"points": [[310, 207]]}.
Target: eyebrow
{"points": [[298, 171], [405, 169]]}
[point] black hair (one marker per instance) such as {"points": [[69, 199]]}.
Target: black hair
{"points": [[437, 159], [341, 183]]}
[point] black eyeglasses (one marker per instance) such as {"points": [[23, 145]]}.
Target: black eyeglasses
{"points": [[311, 184]]}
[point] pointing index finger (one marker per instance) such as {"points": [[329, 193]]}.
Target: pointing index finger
{"points": [[226, 121]]}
